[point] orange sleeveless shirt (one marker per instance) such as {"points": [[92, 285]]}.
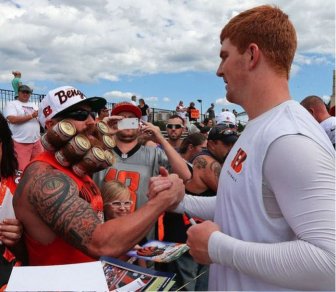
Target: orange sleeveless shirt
{"points": [[59, 252]]}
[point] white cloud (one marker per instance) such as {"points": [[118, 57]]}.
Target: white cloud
{"points": [[166, 99], [116, 96], [151, 99], [222, 101], [82, 40], [326, 98]]}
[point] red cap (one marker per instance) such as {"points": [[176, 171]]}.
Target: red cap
{"points": [[126, 107]]}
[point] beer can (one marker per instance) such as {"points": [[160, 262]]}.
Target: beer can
{"points": [[61, 158], [60, 133], [109, 141], [102, 128], [109, 158], [46, 145], [76, 148], [91, 162]]}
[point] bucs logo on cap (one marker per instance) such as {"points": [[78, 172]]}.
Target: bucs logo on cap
{"points": [[238, 160]]}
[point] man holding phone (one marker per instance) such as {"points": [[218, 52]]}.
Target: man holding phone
{"points": [[135, 163]]}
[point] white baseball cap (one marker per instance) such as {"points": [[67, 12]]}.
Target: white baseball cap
{"points": [[62, 99], [226, 117]]}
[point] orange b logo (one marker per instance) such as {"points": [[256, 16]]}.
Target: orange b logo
{"points": [[237, 162]]}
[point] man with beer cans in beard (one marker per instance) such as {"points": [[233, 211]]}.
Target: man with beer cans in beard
{"points": [[57, 202]]}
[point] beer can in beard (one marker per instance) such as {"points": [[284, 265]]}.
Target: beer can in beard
{"points": [[58, 135], [92, 161], [109, 142], [102, 128], [109, 158], [76, 148]]}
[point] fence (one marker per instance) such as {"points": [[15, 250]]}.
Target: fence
{"points": [[157, 115]]}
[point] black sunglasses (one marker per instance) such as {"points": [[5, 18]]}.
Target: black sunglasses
{"points": [[227, 132], [174, 126], [25, 91], [79, 115], [229, 125]]}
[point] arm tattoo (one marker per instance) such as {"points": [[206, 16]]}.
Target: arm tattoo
{"points": [[56, 199], [200, 162], [216, 168]]}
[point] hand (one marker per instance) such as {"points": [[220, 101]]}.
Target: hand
{"points": [[198, 239], [168, 189], [10, 231], [34, 114], [112, 122], [159, 183], [153, 131]]}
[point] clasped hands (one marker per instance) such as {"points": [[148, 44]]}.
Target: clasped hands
{"points": [[198, 235]]}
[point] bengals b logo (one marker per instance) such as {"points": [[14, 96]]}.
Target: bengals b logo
{"points": [[237, 162], [47, 111]]}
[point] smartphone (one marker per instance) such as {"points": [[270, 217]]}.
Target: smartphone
{"points": [[128, 123]]}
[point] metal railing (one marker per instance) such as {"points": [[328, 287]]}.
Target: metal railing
{"points": [[156, 114]]}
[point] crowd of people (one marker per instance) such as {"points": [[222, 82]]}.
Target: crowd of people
{"points": [[263, 199]]}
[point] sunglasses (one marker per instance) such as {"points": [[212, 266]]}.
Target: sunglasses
{"points": [[119, 204], [26, 92], [228, 132], [174, 126], [229, 125], [79, 115]]}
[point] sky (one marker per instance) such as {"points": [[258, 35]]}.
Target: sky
{"points": [[162, 51]]}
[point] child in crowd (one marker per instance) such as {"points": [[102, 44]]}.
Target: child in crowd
{"points": [[117, 199], [117, 202]]}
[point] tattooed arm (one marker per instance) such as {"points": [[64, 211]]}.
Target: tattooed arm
{"points": [[48, 203]]}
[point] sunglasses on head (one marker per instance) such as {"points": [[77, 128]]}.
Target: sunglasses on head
{"points": [[229, 125], [79, 115], [227, 132], [174, 126]]}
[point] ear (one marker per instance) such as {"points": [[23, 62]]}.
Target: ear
{"points": [[312, 112], [253, 52], [49, 124]]}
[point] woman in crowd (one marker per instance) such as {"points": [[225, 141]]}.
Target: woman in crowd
{"points": [[10, 228]]}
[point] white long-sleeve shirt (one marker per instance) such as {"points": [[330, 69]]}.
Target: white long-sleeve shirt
{"points": [[302, 183]]}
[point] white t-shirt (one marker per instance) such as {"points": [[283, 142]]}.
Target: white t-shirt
{"points": [[28, 132], [329, 126], [181, 114]]}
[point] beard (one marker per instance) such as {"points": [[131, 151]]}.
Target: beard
{"points": [[127, 136]]}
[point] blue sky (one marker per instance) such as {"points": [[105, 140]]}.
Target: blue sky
{"points": [[163, 50]]}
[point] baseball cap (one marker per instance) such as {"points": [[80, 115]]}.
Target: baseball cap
{"points": [[226, 117], [25, 88], [62, 99], [126, 107], [223, 133]]}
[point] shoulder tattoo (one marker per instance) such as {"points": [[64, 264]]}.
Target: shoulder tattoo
{"points": [[200, 162], [55, 197], [216, 168]]}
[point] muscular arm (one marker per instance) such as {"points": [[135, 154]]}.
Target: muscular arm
{"points": [[303, 181], [53, 197]]}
